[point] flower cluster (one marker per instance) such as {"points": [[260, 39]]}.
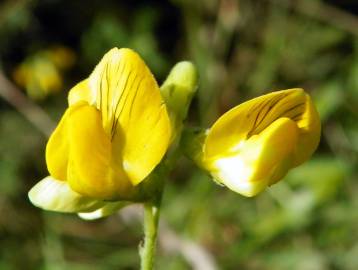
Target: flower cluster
{"points": [[119, 126]]}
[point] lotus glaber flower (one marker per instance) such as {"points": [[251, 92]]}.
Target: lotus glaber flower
{"points": [[113, 134], [253, 145]]}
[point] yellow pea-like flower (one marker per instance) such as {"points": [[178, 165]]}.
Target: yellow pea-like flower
{"points": [[253, 145], [114, 133], [41, 74]]}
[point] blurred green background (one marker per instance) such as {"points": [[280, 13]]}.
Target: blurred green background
{"points": [[242, 49]]}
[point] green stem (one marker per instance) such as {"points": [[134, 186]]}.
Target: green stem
{"points": [[151, 218]]}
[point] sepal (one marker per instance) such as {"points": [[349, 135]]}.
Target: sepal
{"points": [[192, 144]]}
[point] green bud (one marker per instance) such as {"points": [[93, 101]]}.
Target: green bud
{"points": [[178, 91]]}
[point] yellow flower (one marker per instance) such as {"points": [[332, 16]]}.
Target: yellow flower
{"points": [[41, 74], [253, 145], [113, 134]]}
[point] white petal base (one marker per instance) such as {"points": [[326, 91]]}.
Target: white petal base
{"points": [[107, 210], [234, 173], [54, 195]]}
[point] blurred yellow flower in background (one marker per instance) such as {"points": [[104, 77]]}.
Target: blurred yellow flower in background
{"points": [[253, 145], [41, 74], [114, 133]]}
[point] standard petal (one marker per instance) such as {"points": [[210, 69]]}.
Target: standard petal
{"points": [[54, 195], [91, 171], [108, 209], [133, 113], [252, 117], [146, 141], [258, 161]]}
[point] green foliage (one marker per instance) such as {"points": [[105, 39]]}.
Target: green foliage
{"points": [[108, 31], [242, 49]]}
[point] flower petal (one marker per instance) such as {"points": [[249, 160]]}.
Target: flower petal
{"points": [[253, 116], [54, 195], [309, 125], [108, 209], [258, 161], [91, 171], [133, 113], [57, 150], [80, 92]]}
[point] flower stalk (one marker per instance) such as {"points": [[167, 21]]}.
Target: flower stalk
{"points": [[177, 90], [147, 251]]}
